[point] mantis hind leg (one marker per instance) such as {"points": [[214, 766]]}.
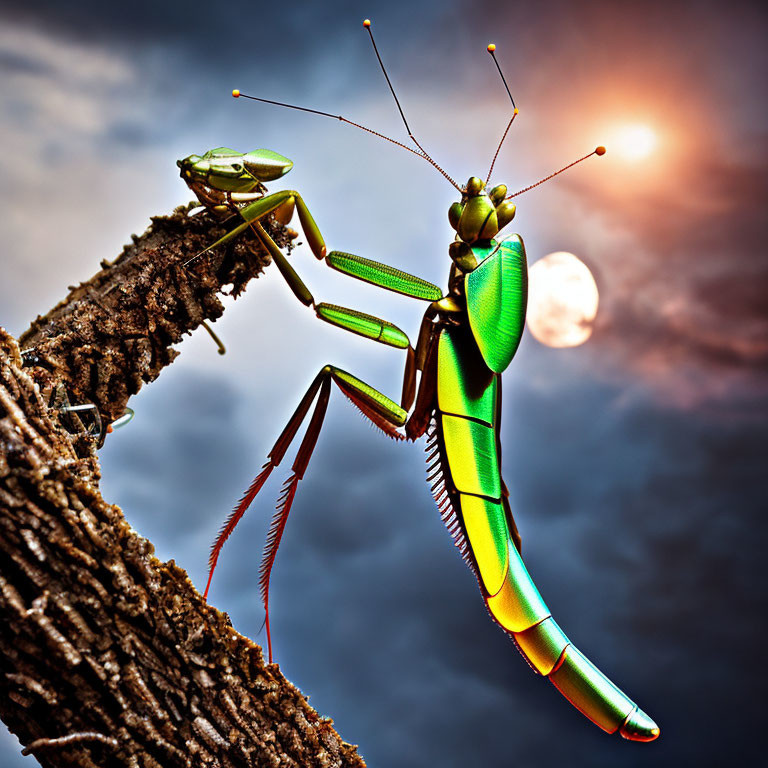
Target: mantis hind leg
{"points": [[375, 406]]}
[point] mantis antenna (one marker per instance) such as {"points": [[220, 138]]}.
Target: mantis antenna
{"points": [[238, 94], [492, 50], [421, 153], [599, 151], [425, 154]]}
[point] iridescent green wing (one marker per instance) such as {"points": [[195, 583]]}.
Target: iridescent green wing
{"points": [[497, 294]]}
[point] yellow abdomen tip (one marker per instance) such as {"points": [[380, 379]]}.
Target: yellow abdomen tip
{"points": [[600, 151], [639, 727], [236, 93], [491, 48], [367, 23]]}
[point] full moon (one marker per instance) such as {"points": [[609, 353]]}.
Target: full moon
{"points": [[562, 300]]}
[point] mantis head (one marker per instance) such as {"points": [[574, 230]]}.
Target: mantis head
{"points": [[480, 215]]}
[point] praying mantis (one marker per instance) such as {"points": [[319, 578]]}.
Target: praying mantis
{"points": [[451, 391]]}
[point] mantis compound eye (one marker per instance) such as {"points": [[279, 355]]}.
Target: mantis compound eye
{"points": [[498, 193], [454, 214], [475, 186]]}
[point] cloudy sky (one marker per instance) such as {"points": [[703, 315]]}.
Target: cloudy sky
{"points": [[634, 461]]}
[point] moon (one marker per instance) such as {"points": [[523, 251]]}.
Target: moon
{"points": [[562, 300]]}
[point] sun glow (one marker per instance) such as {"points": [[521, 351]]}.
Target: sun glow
{"points": [[634, 142]]}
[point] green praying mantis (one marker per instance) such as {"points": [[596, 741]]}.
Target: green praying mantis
{"points": [[451, 392]]}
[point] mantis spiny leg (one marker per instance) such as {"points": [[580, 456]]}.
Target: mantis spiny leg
{"points": [[375, 406]]}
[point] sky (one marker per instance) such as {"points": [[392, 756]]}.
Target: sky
{"points": [[635, 462]]}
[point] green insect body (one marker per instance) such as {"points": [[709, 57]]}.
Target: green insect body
{"points": [[222, 176], [451, 393], [468, 338]]}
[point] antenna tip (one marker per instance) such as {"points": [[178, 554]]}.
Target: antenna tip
{"points": [[367, 23], [236, 93], [600, 151], [491, 47]]}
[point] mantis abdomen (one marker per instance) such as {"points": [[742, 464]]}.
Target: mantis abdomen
{"points": [[473, 501]]}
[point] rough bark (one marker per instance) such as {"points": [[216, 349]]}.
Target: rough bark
{"points": [[109, 657]]}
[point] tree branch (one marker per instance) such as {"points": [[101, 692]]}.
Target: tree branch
{"points": [[108, 656]]}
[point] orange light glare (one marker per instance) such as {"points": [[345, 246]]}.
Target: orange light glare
{"points": [[635, 142]]}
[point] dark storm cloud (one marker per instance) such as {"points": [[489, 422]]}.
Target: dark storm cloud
{"points": [[173, 23], [692, 589], [213, 36], [151, 474], [694, 296], [642, 524], [16, 61], [128, 135], [188, 56]]}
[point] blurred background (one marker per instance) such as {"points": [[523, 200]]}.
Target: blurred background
{"points": [[635, 461]]}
